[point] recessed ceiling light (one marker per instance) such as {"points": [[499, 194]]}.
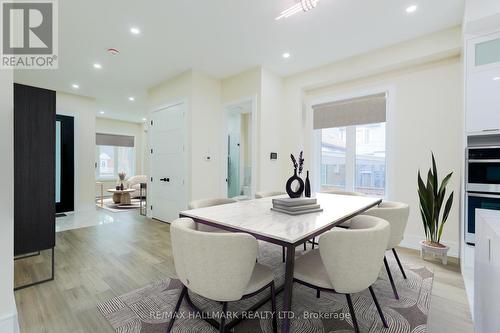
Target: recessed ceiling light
{"points": [[101, 112], [135, 30], [75, 86], [286, 55], [97, 66], [131, 99], [144, 119], [411, 9], [496, 78]]}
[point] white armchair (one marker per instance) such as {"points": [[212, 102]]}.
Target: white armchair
{"points": [[134, 182]]}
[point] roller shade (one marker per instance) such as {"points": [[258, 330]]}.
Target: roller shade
{"points": [[102, 139], [355, 111]]}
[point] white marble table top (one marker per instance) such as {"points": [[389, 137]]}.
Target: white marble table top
{"points": [[256, 217]]}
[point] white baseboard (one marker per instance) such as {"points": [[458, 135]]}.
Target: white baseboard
{"points": [[8, 322], [413, 242]]}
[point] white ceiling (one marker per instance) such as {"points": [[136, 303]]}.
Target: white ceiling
{"points": [[218, 37]]}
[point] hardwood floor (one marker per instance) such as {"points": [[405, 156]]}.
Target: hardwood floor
{"points": [[96, 263]]}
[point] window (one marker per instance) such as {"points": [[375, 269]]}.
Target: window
{"points": [[357, 163], [114, 154], [352, 154], [333, 152]]}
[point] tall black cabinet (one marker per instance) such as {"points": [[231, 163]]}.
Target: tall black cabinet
{"points": [[34, 171]]}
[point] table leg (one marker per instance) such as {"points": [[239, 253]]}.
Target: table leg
{"points": [[287, 295], [125, 199]]}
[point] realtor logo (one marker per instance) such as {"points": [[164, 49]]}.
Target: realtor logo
{"points": [[29, 34]]}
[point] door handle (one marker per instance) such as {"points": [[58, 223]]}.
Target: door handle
{"points": [[165, 180]]}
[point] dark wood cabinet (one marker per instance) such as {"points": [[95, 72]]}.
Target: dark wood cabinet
{"points": [[34, 169]]}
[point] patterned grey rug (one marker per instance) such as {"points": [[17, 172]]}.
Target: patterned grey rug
{"points": [[148, 310]]}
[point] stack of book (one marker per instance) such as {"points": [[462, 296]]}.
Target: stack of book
{"points": [[296, 206]]}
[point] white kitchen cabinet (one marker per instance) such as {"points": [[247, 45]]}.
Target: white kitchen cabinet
{"points": [[483, 85], [487, 272], [483, 102]]}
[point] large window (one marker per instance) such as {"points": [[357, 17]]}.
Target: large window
{"points": [[354, 161], [114, 154], [352, 154]]}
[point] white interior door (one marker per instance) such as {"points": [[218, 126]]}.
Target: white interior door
{"points": [[168, 164]]}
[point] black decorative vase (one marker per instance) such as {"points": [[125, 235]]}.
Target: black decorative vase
{"points": [[307, 190], [290, 190]]}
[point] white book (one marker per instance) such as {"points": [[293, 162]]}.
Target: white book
{"points": [[298, 212], [295, 201]]}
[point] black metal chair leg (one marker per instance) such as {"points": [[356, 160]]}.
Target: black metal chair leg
{"points": [[305, 246], [273, 308], [283, 253], [177, 306], [314, 242], [390, 278], [379, 309], [353, 315], [222, 325], [399, 262], [318, 293]]}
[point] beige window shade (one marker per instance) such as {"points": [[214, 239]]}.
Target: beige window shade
{"points": [[355, 111], [102, 139]]}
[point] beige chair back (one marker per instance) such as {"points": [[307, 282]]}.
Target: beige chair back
{"points": [[266, 194], [396, 213], [209, 202], [217, 266], [353, 257], [340, 192]]}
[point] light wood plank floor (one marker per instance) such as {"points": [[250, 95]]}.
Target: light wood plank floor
{"points": [[96, 263]]}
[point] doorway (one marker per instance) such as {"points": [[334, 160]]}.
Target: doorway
{"points": [[65, 164], [239, 143], [168, 162]]}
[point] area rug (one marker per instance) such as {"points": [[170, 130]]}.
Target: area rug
{"points": [[148, 309], [117, 208]]}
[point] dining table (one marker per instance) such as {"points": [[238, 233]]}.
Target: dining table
{"points": [[255, 217]]}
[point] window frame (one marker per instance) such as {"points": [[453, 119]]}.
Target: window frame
{"points": [[314, 139]]}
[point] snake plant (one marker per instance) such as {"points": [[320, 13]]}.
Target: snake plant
{"points": [[431, 195]]}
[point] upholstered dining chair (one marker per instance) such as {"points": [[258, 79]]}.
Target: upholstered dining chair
{"points": [[266, 194], [202, 203], [396, 213], [342, 192], [347, 223], [348, 261], [218, 266]]}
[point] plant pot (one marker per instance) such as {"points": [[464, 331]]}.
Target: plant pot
{"points": [[436, 251]]}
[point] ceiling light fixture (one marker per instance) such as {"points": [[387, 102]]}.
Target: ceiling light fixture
{"points": [[101, 112], [144, 119], [286, 55], [411, 9], [97, 66], [135, 31], [302, 5], [496, 78], [131, 99], [75, 86]]}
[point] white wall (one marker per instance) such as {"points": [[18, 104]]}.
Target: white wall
{"points": [[271, 134], [83, 109], [202, 95], [426, 116], [112, 126], [425, 75], [8, 312]]}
